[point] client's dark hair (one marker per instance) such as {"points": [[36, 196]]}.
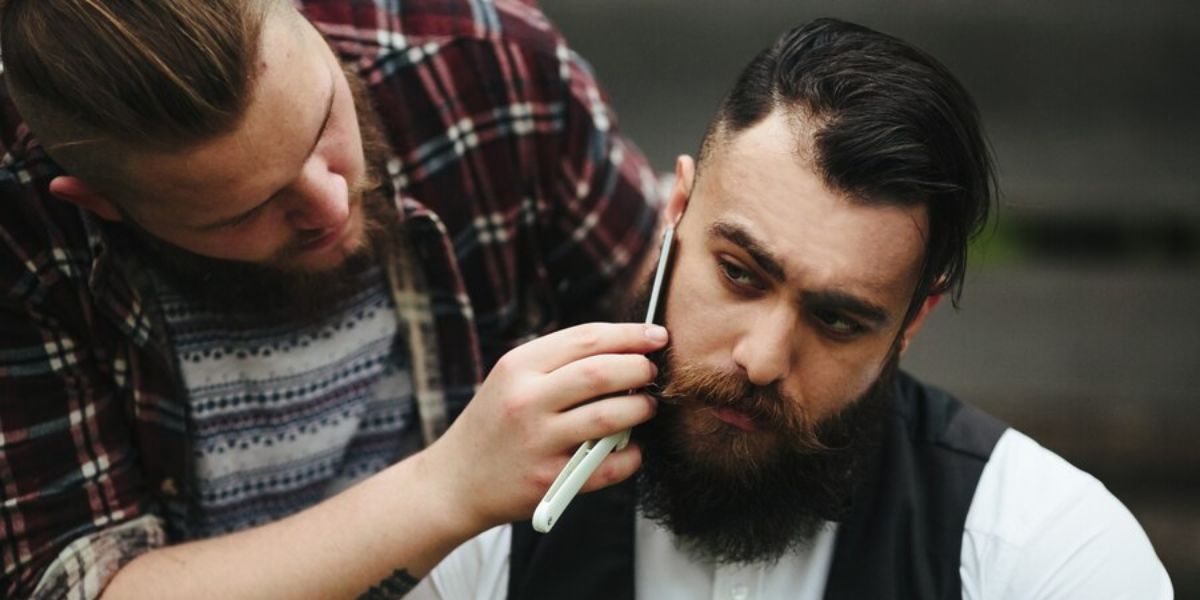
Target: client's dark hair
{"points": [[890, 124]]}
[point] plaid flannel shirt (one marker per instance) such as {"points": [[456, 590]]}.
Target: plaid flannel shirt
{"points": [[523, 205]]}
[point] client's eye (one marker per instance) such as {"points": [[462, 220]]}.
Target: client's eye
{"points": [[837, 323], [737, 275]]}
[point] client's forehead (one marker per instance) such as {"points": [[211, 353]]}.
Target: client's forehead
{"points": [[762, 181]]}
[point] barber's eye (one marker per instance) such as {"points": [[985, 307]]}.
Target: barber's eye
{"points": [[243, 219], [738, 276], [837, 323]]}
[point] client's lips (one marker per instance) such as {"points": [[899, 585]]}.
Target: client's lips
{"points": [[736, 418]]}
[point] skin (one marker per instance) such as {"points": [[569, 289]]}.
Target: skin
{"points": [[499, 457], [773, 270]]}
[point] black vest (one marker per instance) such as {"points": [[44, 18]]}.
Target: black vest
{"points": [[902, 538]]}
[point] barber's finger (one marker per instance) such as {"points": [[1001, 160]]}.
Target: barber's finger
{"points": [[601, 418], [617, 467], [595, 376], [552, 351]]}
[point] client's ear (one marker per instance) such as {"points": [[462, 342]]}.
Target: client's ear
{"points": [[912, 328], [681, 191], [74, 190]]}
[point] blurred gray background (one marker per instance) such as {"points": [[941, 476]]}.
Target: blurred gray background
{"points": [[1080, 322]]}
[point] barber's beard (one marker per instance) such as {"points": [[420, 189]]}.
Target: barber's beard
{"points": [[265, 293], [735, 496], [275, 290]]}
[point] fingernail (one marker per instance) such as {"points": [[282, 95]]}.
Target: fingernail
{"points": [[656, 333]]}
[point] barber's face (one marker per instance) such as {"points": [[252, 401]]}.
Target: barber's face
{"points": [[782, 285], [284, 188]]}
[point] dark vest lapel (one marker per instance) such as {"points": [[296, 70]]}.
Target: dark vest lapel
{"points": [[903, 538]]}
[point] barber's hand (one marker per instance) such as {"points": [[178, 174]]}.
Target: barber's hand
{"points": [[534, 409]]}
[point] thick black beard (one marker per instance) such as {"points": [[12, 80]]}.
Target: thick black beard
{"points": [[731, 505], [775, 505]]}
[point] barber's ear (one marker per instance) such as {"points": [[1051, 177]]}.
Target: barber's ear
{"points": [[911, 330], [685, 177], [74, 190]]}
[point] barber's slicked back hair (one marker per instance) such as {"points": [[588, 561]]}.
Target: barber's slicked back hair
{"points": [[159, 72], [890, 124]]}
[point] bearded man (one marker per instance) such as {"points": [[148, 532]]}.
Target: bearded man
{"points": [[257, 255], [829, 211]]}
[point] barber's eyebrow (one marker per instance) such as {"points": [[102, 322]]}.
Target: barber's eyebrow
{"points": [[312, 148], [773, 266], [325, 122]]}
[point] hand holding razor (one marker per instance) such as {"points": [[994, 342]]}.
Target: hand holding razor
{"points": [[592, 452]]}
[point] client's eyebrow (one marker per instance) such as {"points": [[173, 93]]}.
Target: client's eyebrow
{"points": [[736, 234], [773, 266], [841, 301]]}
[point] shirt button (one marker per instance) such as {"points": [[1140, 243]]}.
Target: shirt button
{"points": [[739, 592], [167, 487]]}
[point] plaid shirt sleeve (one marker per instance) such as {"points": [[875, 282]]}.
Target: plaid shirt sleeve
{"points": [[71, 493]]}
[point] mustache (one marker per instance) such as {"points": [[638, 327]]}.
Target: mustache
{"points": [[692, 386]]}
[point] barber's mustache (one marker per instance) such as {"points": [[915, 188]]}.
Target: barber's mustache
{"points": [[355, 198]]}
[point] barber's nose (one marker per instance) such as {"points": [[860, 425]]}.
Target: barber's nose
{"points": [[766, 350], [319, 199]]}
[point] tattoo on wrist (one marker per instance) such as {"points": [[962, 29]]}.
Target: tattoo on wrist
{"points": [[393, 586]]}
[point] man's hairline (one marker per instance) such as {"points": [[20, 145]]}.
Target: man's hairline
{"points": [[800, 120], [126, 153]]}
